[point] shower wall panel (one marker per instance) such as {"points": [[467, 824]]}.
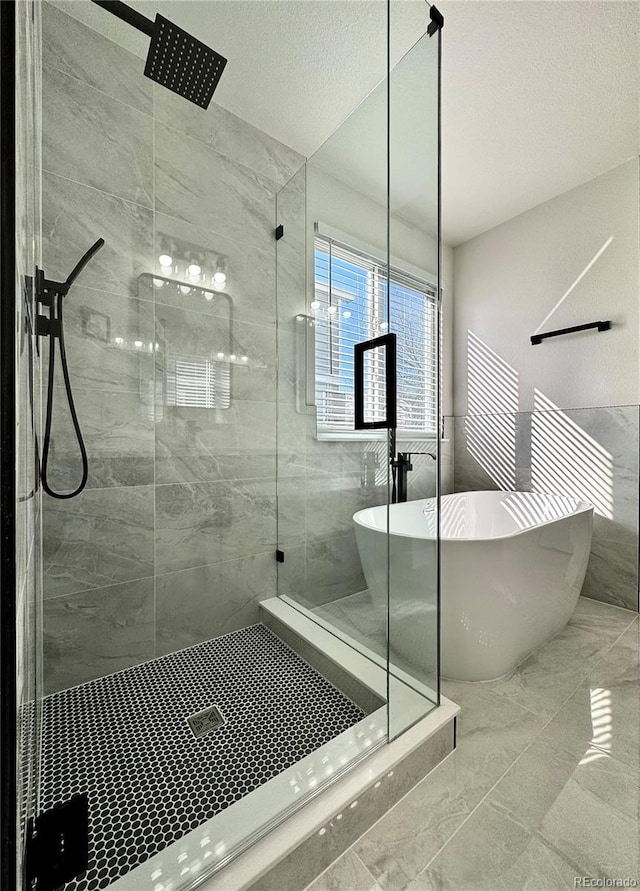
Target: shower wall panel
{"points": [[172, 542]]}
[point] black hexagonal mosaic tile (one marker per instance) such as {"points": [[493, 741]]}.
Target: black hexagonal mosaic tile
{"points": [[125, 740]]}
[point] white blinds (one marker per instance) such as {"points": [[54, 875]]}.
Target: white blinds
{"points": [[197, 383], [350, 305]]}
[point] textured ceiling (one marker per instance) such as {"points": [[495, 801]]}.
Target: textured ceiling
{"points": [[538, 97]]}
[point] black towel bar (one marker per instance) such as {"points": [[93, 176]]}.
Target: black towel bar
{"points": [[601, 326]]}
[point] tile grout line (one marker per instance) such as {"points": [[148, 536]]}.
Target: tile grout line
{"points": [[85, 83], [146, 207]]}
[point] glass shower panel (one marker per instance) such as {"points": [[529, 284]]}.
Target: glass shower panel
{"points": [[28, 413], [331, 265], [414, 315], [189, 378], [365, 217]]}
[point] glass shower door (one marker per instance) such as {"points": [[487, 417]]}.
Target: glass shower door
{"points": [[359, 263]]}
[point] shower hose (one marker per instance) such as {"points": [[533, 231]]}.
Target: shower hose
{"points": [[57, 316]]}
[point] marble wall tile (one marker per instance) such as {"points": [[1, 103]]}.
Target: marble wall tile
{"points": [[250, 270], [292, 507], [101, 333], [184, 334], [197, 604], [331, 503], [196, 184], [333, 569], [229, 135], [292, 574], [292, 427], [118, 433], [75, 216], [612, 573], [201, 444], [91, 138], [589, 453], [291, 252], [101, 537], [80, 51], [97, 632], [202, 523]]}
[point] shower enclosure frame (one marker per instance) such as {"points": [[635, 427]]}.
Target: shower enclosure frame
{"points": [[11, 858], [8, 593]]}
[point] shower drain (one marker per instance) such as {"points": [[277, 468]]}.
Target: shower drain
{"points": [[205, 722]]}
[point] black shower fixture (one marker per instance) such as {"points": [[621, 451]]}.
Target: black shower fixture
{"points": [[176, 60], [50, 295]]}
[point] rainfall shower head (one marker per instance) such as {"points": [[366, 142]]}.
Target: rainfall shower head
{"points": [[176, 60]]}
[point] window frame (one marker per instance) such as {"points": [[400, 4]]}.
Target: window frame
{"points": [[403, 275]]}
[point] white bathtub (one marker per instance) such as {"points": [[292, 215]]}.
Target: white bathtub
{"points": [[513, 564]]}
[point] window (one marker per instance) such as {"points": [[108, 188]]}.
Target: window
{"points": [[349, 306]]}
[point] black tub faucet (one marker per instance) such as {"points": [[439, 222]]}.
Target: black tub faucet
{"points": [[400, 468]]}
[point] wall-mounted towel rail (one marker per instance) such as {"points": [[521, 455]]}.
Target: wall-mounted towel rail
{"points": [[601, 326]]}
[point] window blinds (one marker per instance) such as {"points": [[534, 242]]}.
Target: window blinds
{"points": [[354, 301], [197, 383]]}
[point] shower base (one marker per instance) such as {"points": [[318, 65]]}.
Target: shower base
{"points": [[126, 741]]}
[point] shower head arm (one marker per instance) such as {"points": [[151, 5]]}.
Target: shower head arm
{"points": [[127, 14]]}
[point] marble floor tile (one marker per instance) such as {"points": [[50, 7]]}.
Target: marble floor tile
{"points": [[602, 618], [494, 853], [492, 733], [97, 632], [584, 807], [347, 874], [80, 51], [546, 679], [101, 537], [621, 664], [205, 602], [90, 138], [603, 717]]}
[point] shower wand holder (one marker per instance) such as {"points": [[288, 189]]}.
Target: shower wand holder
{"points": [[46, 293]]}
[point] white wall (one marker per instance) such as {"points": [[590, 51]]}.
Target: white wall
{"points": [[508, 281], [336, 204]]}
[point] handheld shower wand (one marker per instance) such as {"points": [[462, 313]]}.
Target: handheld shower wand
{"points": [[52, 294]]}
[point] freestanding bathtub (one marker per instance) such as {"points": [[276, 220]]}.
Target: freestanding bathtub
{"points": [[512, 566]]}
